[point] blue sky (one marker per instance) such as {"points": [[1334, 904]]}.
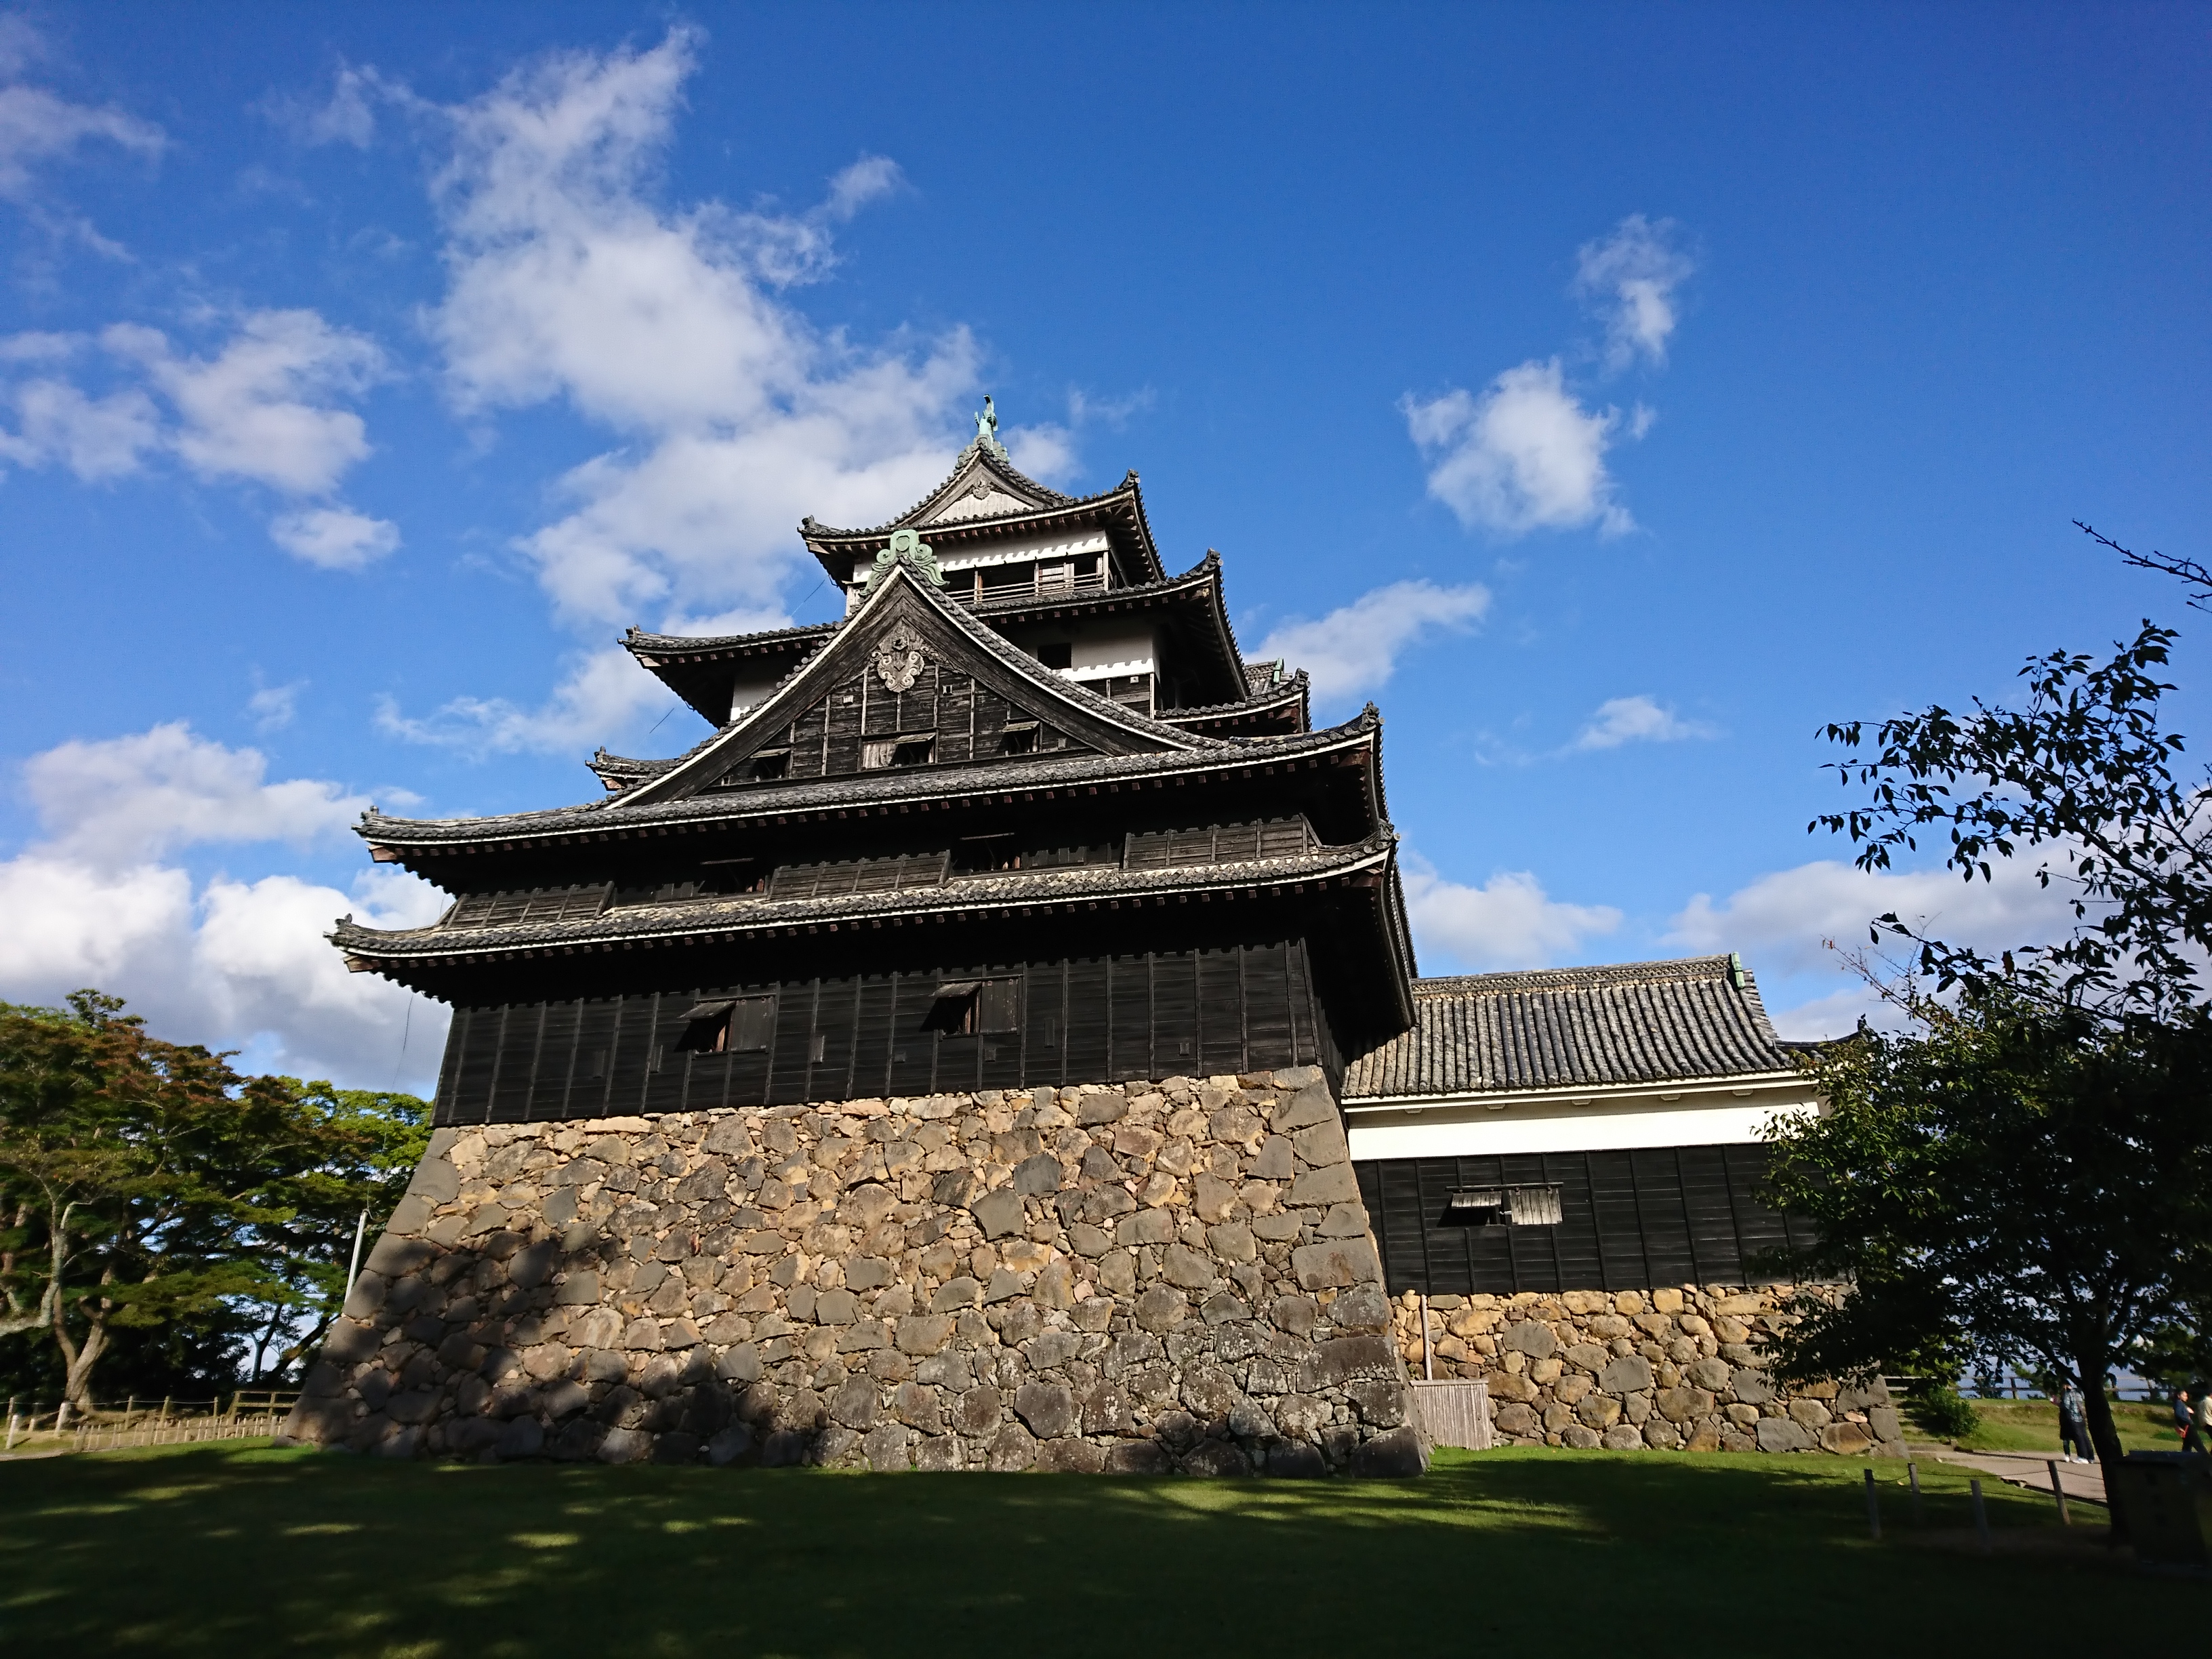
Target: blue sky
{"points": [[1613, 394]]}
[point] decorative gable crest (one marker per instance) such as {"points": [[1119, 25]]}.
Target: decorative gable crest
{"points": [[900, 660], [908, 545]]}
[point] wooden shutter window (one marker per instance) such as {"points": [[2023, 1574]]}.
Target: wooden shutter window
{"points": [[998, 1005], [752, 1023]]}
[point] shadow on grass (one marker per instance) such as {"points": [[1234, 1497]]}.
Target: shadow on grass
{"points": [[228, 1550]]}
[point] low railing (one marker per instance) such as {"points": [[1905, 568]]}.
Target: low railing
{"points": [[249, 1415]]}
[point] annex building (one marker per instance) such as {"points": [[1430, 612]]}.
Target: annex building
{"points": [[1000, 1044]]}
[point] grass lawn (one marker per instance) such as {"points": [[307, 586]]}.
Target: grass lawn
{"points": [[238, 1549], [2032, 1425]]}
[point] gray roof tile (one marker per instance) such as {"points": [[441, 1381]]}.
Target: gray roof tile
{"points": [[1642, 1021]]}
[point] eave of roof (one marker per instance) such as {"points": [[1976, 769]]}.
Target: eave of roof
{"points": [[1291, 692], [968, 461], [905, 789], [968, 897]]}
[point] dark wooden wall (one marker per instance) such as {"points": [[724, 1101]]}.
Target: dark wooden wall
{"points": [[1630, 1220], [1083, 1019], [969, 721]]}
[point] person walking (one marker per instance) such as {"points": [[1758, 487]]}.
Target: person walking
{"points": [[2073, 1427], [2181, 1414], [2199, 1437]]}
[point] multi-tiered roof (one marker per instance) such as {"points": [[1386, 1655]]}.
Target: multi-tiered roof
{"points": [[1020, 720]]}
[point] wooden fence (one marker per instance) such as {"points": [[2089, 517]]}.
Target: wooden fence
{"points": [[242, 1416], [1454, 1413]]}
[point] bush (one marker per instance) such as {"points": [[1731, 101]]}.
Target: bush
{"points": [[1940, 1409]]}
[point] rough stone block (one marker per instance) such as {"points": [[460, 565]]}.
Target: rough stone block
{"points": [[1684, 1405], [1160, 1308], [1516, 1419], [1323, 1144], [1100, 1106], [1622, 1438], [1307, 1107], [999, 1214], [1035, 1177], [1753, 1387], [1012, 1449], [1334, 1185], [1295, 1460], [1532, 1337], [1628, 1373], [1580, 1438], [1331, 1364], [1400, 1452], [1138, 1457], [1335, 1262], [1781, 1434]]}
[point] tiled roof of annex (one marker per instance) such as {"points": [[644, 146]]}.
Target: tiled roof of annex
{"points": [[1632, 1023]]}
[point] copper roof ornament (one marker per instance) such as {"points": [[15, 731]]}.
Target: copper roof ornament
{"points": [[987, 431], [907, 546]]}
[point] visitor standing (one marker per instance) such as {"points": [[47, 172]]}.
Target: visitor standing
{"points": [[2073, 1426], [2199, 1437], [2181, 1414]]}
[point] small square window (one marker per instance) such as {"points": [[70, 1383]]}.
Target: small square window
{"points": [[913, 752], [774, 764], [1019, 740]]}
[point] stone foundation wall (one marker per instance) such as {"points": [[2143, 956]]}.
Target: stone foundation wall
{"points": [[1148, 1277], [1666, 1368]]}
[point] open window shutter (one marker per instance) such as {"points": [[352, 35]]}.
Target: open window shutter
{"points": [[998, 1005], [753, 1020]]}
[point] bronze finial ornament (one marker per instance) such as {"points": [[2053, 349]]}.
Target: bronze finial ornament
{"points": [[987, 429]]}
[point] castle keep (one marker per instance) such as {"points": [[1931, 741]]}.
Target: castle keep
{"points": [[998, 1045]]}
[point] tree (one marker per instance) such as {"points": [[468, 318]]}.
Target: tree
{"points": [[2024, 1172], [2008, 1178], [145, 1184]]}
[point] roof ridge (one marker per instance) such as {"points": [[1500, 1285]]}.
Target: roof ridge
{"points": [[997, 462], [1656, 971]]}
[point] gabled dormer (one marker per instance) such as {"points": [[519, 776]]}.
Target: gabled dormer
{"points": [[911, 679], [999, 535]]}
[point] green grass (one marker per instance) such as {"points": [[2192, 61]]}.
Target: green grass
{"points": [[233, 1549], [2032, 1425]]}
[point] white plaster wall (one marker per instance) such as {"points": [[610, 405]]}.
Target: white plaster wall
{"points": [[1463, 1128]]}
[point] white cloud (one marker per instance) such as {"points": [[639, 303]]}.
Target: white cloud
{"points": [[229, 962], [566, 283], [1637, 720], [36, 126], [603, 696], [1632, 276], [348, 116], [1508, 923], [263, 407], [97, 438], [335, 538], [1526, 455], [266, 408], [1789, 916], [113, 802], [275, 706], [1356, 647]]}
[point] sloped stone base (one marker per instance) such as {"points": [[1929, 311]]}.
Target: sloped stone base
{"points": [[1676, 1368], [1141, 1278]]}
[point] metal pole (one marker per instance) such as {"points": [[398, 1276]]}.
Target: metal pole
{"points": [[353, 1268], [1874, 1508], [1981, 1517], [1428, 1364], [2057, 1491]]}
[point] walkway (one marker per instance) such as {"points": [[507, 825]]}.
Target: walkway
{"points": [[2082, 1481]]}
